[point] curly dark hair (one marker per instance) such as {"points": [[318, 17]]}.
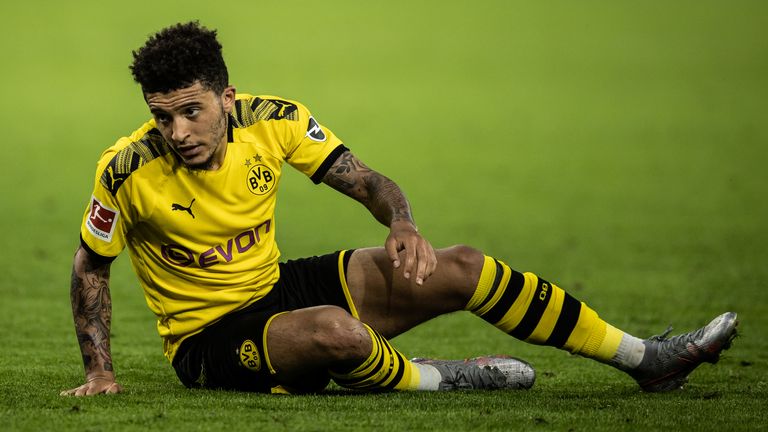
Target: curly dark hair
{"points": [[177, 57]]}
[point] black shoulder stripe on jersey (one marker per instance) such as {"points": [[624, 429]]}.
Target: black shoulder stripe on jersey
{"points": [[242, 115], [131, 158], [317, 177], [274, 109], [255, 103], [100, 259], [247, 112]]}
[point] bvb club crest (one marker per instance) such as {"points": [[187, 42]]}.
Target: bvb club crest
{"points": [[260, 179], [249, 355]]}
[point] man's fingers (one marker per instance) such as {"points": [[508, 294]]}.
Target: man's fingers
{"points": [[419, 258], [421, 269], [421, 262], [427, 262], [391, 247], [91, 389], [432, 263], [410, 259], [103, 388]]}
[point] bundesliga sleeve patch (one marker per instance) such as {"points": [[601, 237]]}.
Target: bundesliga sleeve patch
{"points": [[314, 132], [101, 220]]}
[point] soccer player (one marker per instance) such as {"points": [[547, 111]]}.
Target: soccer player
{"points": [[191, 195]]}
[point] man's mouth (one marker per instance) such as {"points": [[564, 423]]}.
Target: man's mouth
{"points": [[189, 151]]}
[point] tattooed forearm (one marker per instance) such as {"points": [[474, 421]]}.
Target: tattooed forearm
{"points": [[92, 311], [387, 203], [380, 195]]}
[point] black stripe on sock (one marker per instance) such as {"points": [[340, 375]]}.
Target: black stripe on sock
{"points": [[379, 363], [400, 371], [494, 287], [535, 311], [514, 287], [566, 322], [389, 369]]}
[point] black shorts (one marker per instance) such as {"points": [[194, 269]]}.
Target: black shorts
{"points": [[230, 354]]}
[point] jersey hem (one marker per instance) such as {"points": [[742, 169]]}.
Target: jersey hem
{"points": [[171, 347]]}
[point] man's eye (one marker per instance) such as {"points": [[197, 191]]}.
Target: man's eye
{"points": [[162, 119], [191, 112]]}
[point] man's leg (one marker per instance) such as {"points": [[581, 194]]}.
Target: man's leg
{"points": [[521, 305], [306, 347], [392, 304], [526, 307], [302, 345]]}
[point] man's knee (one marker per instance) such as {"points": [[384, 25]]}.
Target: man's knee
{"points": [[465, 258], [340, 336], [463, 262]]}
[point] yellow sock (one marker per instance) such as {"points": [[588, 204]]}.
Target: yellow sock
{"points": [[384, 369], [536, 311]]}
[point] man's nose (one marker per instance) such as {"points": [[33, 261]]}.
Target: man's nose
{"points": [[180, 130]]}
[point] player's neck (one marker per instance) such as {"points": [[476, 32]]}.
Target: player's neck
{"points": [[214, 163], [219, 155]]}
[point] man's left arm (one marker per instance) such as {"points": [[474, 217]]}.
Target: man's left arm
{"points": [[388, 205]]}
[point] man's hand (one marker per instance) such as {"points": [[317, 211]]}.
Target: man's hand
{"points": [[388, 205], [104, 384], [419, 254]]}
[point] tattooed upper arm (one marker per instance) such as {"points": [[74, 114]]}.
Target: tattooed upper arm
{"points": [[351, 177], [379, 194]]}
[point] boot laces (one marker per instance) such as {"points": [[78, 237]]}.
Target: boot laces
{"points": [[474, 377]]}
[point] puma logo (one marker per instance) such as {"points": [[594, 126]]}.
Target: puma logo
{"points": [[281, 112], [175, 207], [111, 176]]}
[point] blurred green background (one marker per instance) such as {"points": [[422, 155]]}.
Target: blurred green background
{"points": [[615, 148]]}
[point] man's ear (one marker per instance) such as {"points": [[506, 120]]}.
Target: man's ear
{"points": [[228, 99]]}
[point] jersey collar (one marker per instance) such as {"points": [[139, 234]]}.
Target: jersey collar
{"points": [[230, 133]]}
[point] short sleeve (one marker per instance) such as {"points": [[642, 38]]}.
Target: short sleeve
{"points": [[312, 148], [103, 228]]}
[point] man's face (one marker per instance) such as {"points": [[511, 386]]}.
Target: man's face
{"points": [[193, 120]]}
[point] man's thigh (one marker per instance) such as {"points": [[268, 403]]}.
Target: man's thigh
{"points": [[391, 304], [304, 344], [231, 353]]}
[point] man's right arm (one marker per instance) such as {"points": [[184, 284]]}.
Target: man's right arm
{"points": [[92, 311]]}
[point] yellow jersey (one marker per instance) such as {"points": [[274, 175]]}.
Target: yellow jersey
{"points": [[202, 243]]}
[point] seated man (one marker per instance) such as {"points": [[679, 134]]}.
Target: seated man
{"points": [[191, 194]]}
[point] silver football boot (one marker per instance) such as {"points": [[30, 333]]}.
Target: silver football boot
{"points": [[667, 362], [487, 373]]}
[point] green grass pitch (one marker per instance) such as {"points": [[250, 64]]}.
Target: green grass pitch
{"points": [[616, 148]]}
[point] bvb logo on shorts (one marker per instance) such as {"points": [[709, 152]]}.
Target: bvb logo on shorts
{"points": [[260, 179], [249, 356]]}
